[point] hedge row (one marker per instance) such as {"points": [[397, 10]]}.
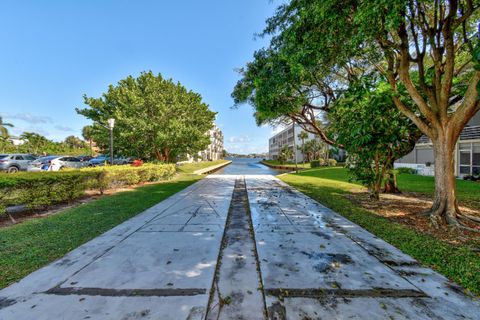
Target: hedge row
{"points": [[41, 189]]}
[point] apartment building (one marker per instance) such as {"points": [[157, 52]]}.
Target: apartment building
{"points": [[215, 150], [466, 157], [287, 137]]}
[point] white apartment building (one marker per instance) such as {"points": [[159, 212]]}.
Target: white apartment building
{"points": [[288, 137], [215, 150], [466, 156], [16, 141]]}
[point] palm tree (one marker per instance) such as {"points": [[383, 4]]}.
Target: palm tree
{"points": [[35, 142], [87, 134], [3, 128], [303, 136], [285, 154]]}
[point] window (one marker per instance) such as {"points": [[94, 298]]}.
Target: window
{"points": [[469, 158], [465, 157], [475, 158], [18, 158]]}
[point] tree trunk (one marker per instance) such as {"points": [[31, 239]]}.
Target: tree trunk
{"points": [[158, 155], [375, 186], [390, 185], [167, 154], [444, 208]]}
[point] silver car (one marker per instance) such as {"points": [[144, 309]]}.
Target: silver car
{"points": [[12, 163], [55, 163]]}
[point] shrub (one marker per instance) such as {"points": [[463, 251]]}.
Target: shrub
{"points": [[332, 162], [41, 189], [315, 163], [114, 176], [401, 170]]}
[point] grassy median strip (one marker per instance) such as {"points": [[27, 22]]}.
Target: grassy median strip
{"points": [[300, 165], [32, 244], [459, 263], [194, 166]]}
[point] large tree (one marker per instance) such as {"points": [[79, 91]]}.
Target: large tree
{"points": [[281, 91], [155, 118], [73, 142], [374, 133], [427, 46]]}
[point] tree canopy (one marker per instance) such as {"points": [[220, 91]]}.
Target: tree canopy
{"points": [[155, 118], [429, 48], [374, 132]]}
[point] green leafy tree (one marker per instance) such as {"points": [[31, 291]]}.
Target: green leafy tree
{"points": [[155, 118], [73, 142], [281, 91], [374, 133], [427, 47]]}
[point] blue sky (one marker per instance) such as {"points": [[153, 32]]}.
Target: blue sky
{"points": [[53, 52]]}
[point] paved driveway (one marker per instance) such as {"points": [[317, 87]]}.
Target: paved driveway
{"points": [[306, 262]]}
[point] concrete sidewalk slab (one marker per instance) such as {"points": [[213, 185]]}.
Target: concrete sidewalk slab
{"points": [[319, 265], [159, 264], [310, 262]]}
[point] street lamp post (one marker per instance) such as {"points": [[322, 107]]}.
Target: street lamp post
{"points": [[111, 124], [295, 148]]}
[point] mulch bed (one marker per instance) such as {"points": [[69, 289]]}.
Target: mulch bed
{"points": [[405, 208]]}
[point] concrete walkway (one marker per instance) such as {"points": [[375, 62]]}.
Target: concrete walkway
{"points": [[283, 256]]}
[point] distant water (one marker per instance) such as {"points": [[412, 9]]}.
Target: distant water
{"points": [[247, 166]]}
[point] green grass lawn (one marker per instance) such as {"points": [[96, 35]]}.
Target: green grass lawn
{"points": [[191, 167], [34, 243], [287, 164], [467, 191], [459, 263]]}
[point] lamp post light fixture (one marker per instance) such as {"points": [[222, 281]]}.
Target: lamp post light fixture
{"points": [[111, 124]]}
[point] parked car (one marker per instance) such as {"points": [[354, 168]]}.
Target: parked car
{"points": [[101, 160], [12, 163], [85, 158], [55, 163], [97, 161]]}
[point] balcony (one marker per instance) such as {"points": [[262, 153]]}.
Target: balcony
{"points": [[468, 133]]}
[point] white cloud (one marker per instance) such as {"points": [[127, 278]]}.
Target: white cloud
{"points": [[64, 128], [246, 148], [240, 139], [17, 131], [27, 117]]}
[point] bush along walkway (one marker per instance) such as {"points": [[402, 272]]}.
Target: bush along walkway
{"points": [[42, 189], [304, 260]]}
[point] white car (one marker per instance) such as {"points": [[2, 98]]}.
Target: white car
{"points": [[55, 163]]}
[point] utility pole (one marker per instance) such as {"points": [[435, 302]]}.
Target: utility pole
{"points": [[111, 124]]}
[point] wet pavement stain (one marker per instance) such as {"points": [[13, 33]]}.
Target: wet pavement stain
{"points": [[327, 262]]}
